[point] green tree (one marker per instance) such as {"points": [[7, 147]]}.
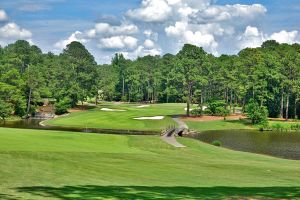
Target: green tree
{"points": [[256, 113]]}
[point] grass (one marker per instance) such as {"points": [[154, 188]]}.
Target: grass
{"points": [[39, 164], [218, 125], [96, 118]]}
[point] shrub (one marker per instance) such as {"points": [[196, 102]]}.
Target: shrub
{"points": [[217, 143], [197, 112], [62, 106], [5, 110], [217, 108], [256, 113]]}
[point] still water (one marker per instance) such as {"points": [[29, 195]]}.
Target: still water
{"points": [[35, 124], [278, 144]]}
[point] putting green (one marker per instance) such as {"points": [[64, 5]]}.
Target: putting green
{"points": [[39, 164], [97, 118]]}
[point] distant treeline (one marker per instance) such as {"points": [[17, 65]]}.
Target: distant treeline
{"points": [[270, 75]]}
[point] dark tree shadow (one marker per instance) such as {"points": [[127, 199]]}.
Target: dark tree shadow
{"points": [[8, 197], [143, 192]]}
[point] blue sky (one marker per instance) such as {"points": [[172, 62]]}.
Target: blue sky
{"points": [[141, 27]]}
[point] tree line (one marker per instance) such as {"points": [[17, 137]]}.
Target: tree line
{"points": [[268, 75]]}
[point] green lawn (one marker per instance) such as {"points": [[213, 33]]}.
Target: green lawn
{"points": [[39, 164], [218, 125], [96, 118]]}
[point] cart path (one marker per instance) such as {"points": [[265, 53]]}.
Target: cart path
{"points": [[169, 136]]}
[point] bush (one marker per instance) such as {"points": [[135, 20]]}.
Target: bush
{"points": [[62, 106], [256, 113], [217, 143], [217, 108], [197, 112], [5, 110]]}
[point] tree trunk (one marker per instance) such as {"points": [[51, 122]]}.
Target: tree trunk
{"points": [[96, 100], [123, 86], [295, 107], [287, 107], [230, 103], [188, 102], [281, 106], [29, 101]]}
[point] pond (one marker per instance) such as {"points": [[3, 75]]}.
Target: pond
{"points": [[278, 144], [35, 124]]}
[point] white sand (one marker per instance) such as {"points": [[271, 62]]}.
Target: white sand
{"points": [[143, 106], [203, 108], [112, 110], [151, 118], [190, 109]]}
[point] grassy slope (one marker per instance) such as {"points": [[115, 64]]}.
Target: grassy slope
{"points": [[218, 125], [58, 165], [122, 120]]}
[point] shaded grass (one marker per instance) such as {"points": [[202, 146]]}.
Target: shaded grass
{"points": [[219, 125], [149, 193], [96, 118], [39, 164]]}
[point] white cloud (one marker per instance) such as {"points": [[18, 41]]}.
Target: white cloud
{"points": [[286, 37], [105, 28], [151, 11], [77, 36], [148, 44], [118, 42], [252, 37], [216, 13], [3, 15], [13, 31]]}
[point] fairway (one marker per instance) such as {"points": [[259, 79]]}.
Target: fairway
{"points": [[99, 118], [39, 164], [218, 125]]}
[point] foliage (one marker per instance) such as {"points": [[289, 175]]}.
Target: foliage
{"points": [[62, 106], [256, 113], [269, 74], [5, 110], [217, 143], [217, 108]]}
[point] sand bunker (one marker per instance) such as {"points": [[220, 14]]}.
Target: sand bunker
{"points": [[112, 110], [151, 118], [203, 108], [143, 106]]}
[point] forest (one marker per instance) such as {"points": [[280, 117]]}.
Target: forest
{"points": [[268, 75]]}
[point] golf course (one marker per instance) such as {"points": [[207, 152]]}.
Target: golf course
{"points": [[43, 164], [39, 164], [149, 100]]}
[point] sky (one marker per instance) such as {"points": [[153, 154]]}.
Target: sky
{"points": [[149, 27]]}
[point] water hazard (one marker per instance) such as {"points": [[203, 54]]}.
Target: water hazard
{"points": [[278, 144]]}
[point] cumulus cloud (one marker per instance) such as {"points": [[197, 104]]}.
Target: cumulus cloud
{"points": [[76, 36], [3, 15], [160, 26], [286, 37], [107, 29], [228, 12], [151, 11], [253, 37], [118, 42], [13, 31], [149, 44]]}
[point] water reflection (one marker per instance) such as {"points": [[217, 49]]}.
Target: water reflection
{"points": [[279, 144], [35, 124]]}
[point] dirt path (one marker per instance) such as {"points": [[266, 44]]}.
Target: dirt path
{"points": [[206, 118]]}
